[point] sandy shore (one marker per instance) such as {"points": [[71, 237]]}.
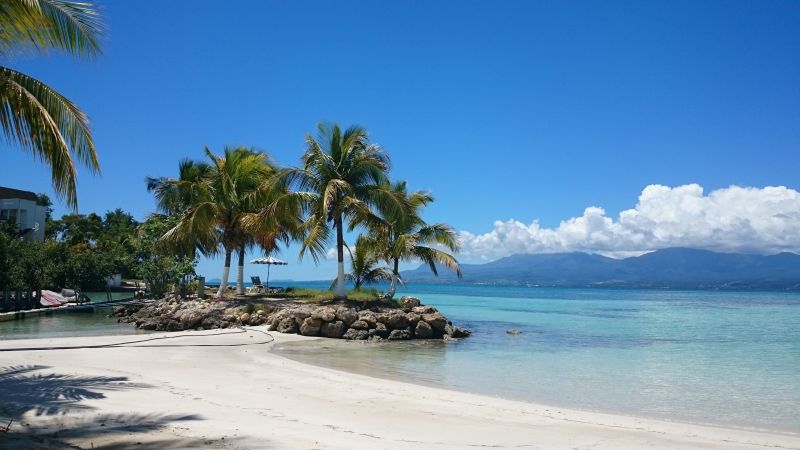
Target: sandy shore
{"points": [[172, 394]]}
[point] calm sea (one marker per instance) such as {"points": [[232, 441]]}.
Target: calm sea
{"points": [[724, 358]]}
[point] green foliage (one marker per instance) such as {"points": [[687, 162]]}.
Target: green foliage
{"points": [[155, 264]]}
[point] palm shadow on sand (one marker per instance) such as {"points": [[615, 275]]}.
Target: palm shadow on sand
{"points": [[36, 389]]}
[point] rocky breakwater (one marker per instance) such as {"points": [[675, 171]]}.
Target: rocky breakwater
{"points": [[402, 320]]}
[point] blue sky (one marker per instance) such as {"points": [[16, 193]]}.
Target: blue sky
{"points": [[504, 110]]}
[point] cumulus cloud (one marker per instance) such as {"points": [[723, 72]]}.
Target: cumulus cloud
{"points": [[331, 254], [735, 219]]}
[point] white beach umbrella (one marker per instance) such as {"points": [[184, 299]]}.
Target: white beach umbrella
{"points": [[269, 261]]}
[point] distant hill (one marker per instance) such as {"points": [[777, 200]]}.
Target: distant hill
{"points": [[678, 268]]}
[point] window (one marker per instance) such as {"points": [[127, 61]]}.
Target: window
{"points": [[8, 215]]}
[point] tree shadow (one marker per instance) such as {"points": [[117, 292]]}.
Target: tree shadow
{"points": [[24, 390]]}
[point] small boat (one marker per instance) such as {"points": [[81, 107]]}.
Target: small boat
{"points": [[50, 298]]}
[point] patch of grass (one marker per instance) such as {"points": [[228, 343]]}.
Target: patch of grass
{"points": [[320, 296]]}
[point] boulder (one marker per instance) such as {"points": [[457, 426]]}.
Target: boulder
{"points": [[244, 318], [300, 313], [423, 309], [459, 332], [399, 335], [369, 317], [325, 314], [346, 315], [356, 335], [423, 330], [380, 330], [359, 325], [408, 303], [413, 318], [436, 320], [191, 319], [394, 320], [332, 329], [287, 325], [310, 326]]}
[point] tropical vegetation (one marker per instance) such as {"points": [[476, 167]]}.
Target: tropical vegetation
{"points": [[34, 115]]}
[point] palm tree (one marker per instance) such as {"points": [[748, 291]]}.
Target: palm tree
{"points": [[363, 264], [221, 199], [339, 179], [175, 195], [34, 115], [400, 234]]}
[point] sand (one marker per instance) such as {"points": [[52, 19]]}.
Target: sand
{"points": [[172, 394]]}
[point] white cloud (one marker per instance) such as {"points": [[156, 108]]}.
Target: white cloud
{"points": [[331, 254], [742, 219]]}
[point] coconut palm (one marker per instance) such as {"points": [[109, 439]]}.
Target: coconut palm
{"points": [[339, 178], [363, 264], [400, 234], [34, 115], [220, 200]]}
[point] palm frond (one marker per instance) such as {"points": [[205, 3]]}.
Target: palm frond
{"points": [[74, 27], [48, 125]]}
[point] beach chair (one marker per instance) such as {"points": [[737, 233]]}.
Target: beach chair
{"points": [[257, 287]]}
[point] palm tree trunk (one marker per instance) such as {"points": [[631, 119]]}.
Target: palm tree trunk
{"points": [[240, 272], [341, 291], [395, 276], [223, 284]]}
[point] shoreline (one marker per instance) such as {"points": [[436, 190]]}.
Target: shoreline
{"points": [[541, 405], [199, 389]]}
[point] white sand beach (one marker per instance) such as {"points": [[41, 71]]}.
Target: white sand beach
{"points": [[162, 394]]}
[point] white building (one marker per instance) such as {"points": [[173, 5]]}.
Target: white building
{"points": [[20, 208]]}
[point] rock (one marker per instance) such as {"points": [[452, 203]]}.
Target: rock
{"points": [[244, 318], [513, 331], [209, 323], [257, 319], [359, 325], [173, 325], [287, 325], [435, 320], [413, 318], [408, 303], [346, 315], [399, 335], [423, 330], [356, 335], [369, 317], [380, 330], [300, 313], [394, 320], [191, 319], [459, 332], [310, 326], [332, 329], [325, 313], [423, 310], [448, 330]]}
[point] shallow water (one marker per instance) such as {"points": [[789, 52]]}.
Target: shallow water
{"points": [[77, 322], [725, 358]]}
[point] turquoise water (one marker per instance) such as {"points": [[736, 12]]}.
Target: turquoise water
{"points": [[724, 358]]}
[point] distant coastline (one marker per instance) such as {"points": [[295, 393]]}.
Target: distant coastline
{"points": [[672, 268]]}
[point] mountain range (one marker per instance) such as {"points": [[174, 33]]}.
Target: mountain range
{"points": [[676, 268]]}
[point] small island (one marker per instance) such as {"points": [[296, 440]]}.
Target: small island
{"points": [[297, 313]]}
